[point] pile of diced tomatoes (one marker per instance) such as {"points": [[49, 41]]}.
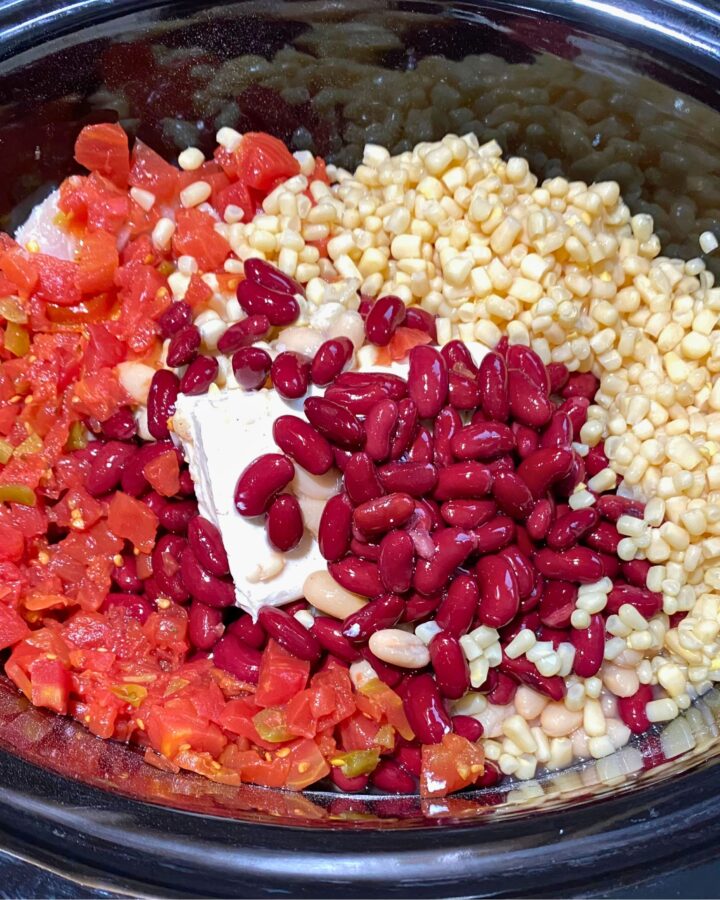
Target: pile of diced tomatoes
{"points": [[65, 325]]}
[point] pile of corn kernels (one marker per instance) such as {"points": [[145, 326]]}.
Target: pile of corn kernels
{"points": [[564, 268]]}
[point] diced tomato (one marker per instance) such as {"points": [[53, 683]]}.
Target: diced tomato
{"points": [[307, 765], [19, 267], [12, 627], [99, 395], [269, 773], [131, 519], [333, 701], [151, 173], [98, 260], [450, 766], [319, 173], [204, 764], [198, 293], [104, 148], [235, 194], [163, 473], [196, 236], [281, 676], [103, 350], [401, 343], [262, 161], [58, 280], [299, 715], [358, 732], [12, 543], [50, 684], [169, 729]]}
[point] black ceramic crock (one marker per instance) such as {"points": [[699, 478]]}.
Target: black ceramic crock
{"points": [[616, 89]]}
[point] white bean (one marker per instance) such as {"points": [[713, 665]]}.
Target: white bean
{"points": [[325, 594], [298, 340], [135, 377], [622, 682], [559, 721], [316, 487], [399, 648], [529, 703]]}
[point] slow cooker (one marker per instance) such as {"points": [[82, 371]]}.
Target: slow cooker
{"points": [[593, 90]]}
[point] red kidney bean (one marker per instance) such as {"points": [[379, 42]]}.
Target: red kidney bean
{"points": [[357, 400], [447, 424], [176, 317], [540, 519], [647, 603], [166, 563], [427, 380], [576, 410], [126, 577], [383, 514], [135, 606], [467, 727], [493, 380], [207, 545], [610, 564], [187, 488], [485, 441], [452, 548], [199, 375], [494, 535], [251, 367], [522, 567], [581, 384], [604, 537], [421, 320], [410, 759], [456, 353], [457, 610], [107, 468], [556, 636], [463, 389], [529, 403], [425, 709], [361, 576], [392, 385], [335, 423], [526, 360], [328, 632], [499, 593], [175, 516], [247, 631], [421, 450], [524, 542], [330, 359], [463, 480], [382, 612], [183, 346], [595, 460], [392, 676], [558, 374], [418, 607], [512, 495], [289, 633], [161, 401], [557, 604], [490, 777], [468, 513], [559, 432], [530, 602], [284, 523], [529, 620], [385, 315], [281, 308], [633, 709], [527, 439], [303, 444], [243, 334], [260, 481], [451, 669], [414, 478], [503, 691], [397, 557], [205, 626], [155, 502], [237, 658], [635, 571], [589, 646], [335, 528], [379, 426], [428, 512], [569, 528], [564, 487], [265, 274], [523, 670], [361, 480], [290, 373], [202, 585], [545, 467], [612, 506], [578, 564], [121, 426], [405, 428], [348, 785], [388, 776]]}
